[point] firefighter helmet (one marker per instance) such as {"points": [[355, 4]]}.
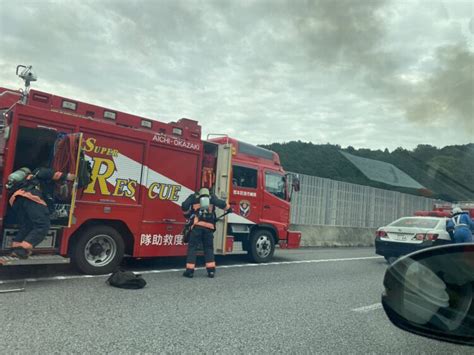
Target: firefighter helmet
{"points": [[203, 192]]}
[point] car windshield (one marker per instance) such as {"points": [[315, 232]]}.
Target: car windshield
{"points": [[260, 164], [425, 223]]}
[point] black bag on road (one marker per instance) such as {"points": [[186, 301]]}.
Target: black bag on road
{"points": [[126, 279]]}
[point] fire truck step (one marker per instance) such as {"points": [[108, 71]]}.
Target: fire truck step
{"points": [[34, 260]]}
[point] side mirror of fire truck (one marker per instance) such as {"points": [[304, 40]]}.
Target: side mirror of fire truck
{"points": [[295, 182]]}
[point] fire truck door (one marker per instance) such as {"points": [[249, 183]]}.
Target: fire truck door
{"points": [[222, 187]]}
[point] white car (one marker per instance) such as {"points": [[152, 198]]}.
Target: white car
{"points": [[409, 234]]}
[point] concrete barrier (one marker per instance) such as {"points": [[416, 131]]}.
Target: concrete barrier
{"points": [[332, 236]]}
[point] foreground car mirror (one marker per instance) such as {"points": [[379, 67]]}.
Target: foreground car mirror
{"points": [[431, 293]]}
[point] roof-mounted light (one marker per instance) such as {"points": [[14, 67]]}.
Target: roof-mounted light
{"points": [[69, 105], [177, 131], [110, 115], [146, 124]]}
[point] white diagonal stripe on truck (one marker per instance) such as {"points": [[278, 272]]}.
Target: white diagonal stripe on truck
{"points": [[127, 168]]}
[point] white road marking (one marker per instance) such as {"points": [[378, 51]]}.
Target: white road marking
{"points": [[145, 272], [365, 309]]}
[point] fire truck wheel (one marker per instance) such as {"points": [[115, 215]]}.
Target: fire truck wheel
{"points": [[262, 246], [99, 250]]}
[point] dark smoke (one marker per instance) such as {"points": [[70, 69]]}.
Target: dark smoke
{"points": [[448, 94]]}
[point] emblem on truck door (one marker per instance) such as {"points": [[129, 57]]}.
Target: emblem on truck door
{"points": [[244, 208]]}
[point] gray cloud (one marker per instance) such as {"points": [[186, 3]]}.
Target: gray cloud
{"points": [[344, 72]]}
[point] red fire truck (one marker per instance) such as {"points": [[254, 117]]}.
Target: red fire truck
{"points": [[142, 170]]}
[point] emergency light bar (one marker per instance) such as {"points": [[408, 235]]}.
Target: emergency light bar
{"points": [[432, 214]]}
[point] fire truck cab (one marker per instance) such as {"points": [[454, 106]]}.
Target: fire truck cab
{"points": [[141, 172]]}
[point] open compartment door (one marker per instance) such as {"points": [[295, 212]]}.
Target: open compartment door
{"points": [[221, 190], [78, 138], [66, 159]]}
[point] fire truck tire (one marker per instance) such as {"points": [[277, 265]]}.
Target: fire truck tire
{"points": [[99, 250], [261, 246]]}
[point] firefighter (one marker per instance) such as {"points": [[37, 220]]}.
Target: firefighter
{"points": [[460, 226], [202, 205], [32, 203]]}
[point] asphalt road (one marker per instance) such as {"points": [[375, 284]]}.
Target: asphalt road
{"points": [[308, 301]]}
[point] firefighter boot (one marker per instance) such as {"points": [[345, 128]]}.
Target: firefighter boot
{"points": [[211, 272], [189, 273], [22, 250], [16, 245]]}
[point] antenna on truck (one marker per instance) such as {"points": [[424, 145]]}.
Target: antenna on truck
{"points": [[28, 75]]}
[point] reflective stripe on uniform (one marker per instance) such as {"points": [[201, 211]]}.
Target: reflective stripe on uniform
{"points": [[457, 222], [27, 195], [57, 175]]}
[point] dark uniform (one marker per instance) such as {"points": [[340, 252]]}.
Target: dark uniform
{"points": [[203, 226], [32, 204]]}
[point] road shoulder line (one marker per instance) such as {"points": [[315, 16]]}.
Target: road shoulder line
{"points": [[145, 272]]}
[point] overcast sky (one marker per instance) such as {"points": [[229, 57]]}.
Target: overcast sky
{"points": [[364, 73]]}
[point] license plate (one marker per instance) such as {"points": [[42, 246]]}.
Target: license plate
{"points": [[401, 237]]}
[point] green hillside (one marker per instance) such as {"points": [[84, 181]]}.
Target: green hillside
{"points": [[448, 173]]}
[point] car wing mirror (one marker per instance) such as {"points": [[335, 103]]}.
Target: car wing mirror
{"points": [[430, 293]]}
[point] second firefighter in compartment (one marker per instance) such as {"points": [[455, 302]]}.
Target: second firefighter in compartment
{"points": [[203, 206]]}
